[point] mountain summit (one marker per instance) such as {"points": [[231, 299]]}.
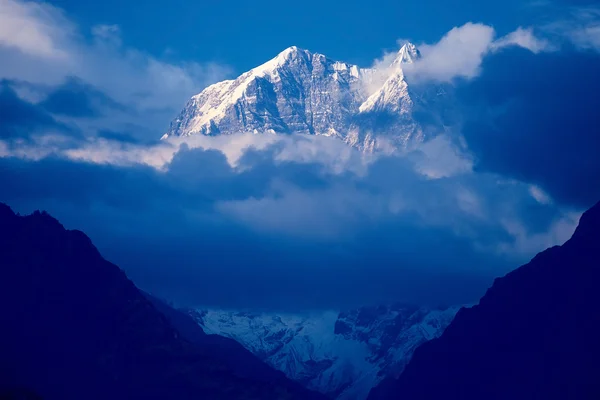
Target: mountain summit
{"points": [[303, 92], [408, 54]]}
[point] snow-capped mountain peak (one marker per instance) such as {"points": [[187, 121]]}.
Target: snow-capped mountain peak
{"points": [[407, 54], [393, 96], [289, 55], [295, 92], [302, 92]]}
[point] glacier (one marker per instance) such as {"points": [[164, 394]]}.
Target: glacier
{"points": [[341, 354], [299, 92]]}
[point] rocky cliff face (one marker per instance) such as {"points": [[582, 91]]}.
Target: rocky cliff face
{"points": [[307, 93], [534, 335], [341, 354]]}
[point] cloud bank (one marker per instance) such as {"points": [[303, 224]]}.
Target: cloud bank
{"points": [[291, 222]]}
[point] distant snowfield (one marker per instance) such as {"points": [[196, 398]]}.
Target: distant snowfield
{"points": [[341, 354]]}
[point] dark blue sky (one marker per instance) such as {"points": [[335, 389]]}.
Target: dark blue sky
{"points": [[244, 34]]}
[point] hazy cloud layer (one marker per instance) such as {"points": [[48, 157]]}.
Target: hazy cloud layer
{"points": [[296, 222], [580, 25]]}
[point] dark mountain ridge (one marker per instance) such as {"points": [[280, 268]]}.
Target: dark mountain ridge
{"points": [[534, 335], [74, 327]]}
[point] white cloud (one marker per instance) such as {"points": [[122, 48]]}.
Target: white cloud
{"points": [[435, 181], [381, 70], [284, 205], [322, 214], [36, 29], [539, 195], [528, 244], [39, 45], [580, 26], [457, 54], [334, 155], [524, 38], [107, 33], [460, 52], [439, 158]]}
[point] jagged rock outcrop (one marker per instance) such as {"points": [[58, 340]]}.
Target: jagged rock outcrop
{"points": [[308, 93]]}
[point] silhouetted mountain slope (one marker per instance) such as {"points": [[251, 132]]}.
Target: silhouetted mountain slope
{"points": [[534, 335], [74, 327], [231, 353], [17, 393]]}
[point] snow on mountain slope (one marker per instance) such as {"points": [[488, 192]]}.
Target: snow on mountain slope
{"points": [[393, 95], [303, 92], [341, 354]]}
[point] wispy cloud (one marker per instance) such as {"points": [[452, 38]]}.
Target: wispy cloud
{"points": [[460, 52], [524, 38], [36, 29], [579, 25], [40, 45]]}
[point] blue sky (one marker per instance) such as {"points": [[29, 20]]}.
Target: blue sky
{"points": [[88, 88], [244, 34]]}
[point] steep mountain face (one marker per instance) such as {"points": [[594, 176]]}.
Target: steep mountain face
{"points": [[74, 327], [228, 351], [534, 335], [303, 92], [344, 354]]}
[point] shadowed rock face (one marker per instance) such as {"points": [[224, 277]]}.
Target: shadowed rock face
{"points": [[534, 335], [74, 327]]}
